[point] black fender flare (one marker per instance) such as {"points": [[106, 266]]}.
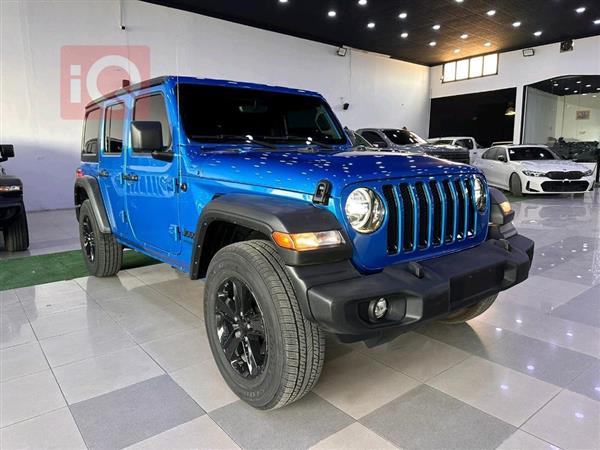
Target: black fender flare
{"points": [[90, 185], [267, 214]]}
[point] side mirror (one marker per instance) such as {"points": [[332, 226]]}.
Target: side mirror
{"points": [[501, 158], [6, 151], [146, 137]]}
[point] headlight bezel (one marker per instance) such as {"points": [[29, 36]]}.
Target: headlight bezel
{"points": [[534, 173], [372, 219], [587, 173], [481, 200]]}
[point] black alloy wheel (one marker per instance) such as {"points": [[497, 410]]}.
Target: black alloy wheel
{"points": [[240, 328], [89, 240]]}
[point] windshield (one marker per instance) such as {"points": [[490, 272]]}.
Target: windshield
{"points": [[530, 154], [220, 114], [404, 137]]}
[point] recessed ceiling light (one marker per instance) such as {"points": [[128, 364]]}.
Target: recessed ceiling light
{"points": [[457, 50], [575, 92], [371, 25], [487, 44], [464, 36], [362, 2], [537, 33], [436, 27], [578, 81], [432, 44], [459, 1], [598, 88], [332, 13], [404, 35], [555, 84], [403, 15], [491, 12], [516, 24], [588, 85], [597, 22], [566, 89], [580, 10], [283, 1]]}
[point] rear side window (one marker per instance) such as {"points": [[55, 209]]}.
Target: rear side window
{"points": [[466, 143], [91, 131], [113, 128], [152, 108]]}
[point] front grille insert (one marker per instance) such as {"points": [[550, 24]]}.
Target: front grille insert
{"points": [[425, 214]]}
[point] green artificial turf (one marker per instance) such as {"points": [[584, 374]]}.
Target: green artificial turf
{"points": [[32, 270]]}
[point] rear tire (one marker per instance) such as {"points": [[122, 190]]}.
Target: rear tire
{"points": [[471, 312], [16, 234], [102, 253], [516, 188], [285, 350]]}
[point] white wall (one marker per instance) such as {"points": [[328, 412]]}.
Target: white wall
{"points": [[580, 130], [381, 91], [544, 107], [514, 70]]}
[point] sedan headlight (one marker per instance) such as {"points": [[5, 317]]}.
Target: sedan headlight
{"points": [[534, 173], [588, 173], [480, 193], [364, 210]]}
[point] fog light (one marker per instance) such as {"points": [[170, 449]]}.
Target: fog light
{"points": [[378, 309]]}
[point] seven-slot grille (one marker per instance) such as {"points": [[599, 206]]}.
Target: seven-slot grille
{"points": [[425, 214]]}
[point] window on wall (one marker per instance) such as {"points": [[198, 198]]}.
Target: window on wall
{"points": [[475, 67]]}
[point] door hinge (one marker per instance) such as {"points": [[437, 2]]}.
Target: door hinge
{"points": [[174, 232]]}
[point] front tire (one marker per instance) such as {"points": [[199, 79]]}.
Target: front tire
{"points": [[471, 312], [516, 187], [16, 234], [102, 253], [269, 354]]}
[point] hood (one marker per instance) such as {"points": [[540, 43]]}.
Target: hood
{"points": [[551, 165], [300, 171]]}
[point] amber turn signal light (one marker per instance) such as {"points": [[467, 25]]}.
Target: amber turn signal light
{"points": [[307, 241]]}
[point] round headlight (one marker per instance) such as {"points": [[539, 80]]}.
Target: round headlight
{"points": [[480, 193], [364, 210]]}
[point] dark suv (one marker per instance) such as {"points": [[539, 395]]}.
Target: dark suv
{"points": [[13, 219], [259, 190]]}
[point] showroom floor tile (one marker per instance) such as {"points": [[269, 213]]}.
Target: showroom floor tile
{"points": [[124, 361]]}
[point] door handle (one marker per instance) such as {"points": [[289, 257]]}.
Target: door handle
{"points": [[104, 173], [130, 177]]}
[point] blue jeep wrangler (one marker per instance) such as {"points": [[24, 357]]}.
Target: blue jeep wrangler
{"points": [[258, 189]]}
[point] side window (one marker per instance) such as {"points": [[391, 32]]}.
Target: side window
{"points": [[490, 154], [91, 131], [466, 143], [152, 108], [501, 152], [113, 128], [374, 139]]}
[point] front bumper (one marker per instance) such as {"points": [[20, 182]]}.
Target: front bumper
{"points": [[543, 185], [415, 293]]}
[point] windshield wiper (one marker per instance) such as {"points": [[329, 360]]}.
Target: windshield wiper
{"points": [[234, 137], [307, 140]]}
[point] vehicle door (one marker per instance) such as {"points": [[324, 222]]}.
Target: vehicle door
{"points": [[111, 166], [483, 163], [506, 169], [375, 139], [152, 184], [497, 164]]}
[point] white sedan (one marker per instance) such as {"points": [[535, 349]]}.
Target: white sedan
{"points": [[533, 169]]}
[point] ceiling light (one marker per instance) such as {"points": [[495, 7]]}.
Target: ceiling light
{"points": [[283, 1], [403, 15], [566, 89], [332, 13], [362, 2], [432, 44], [457, 50], [516, 24], [537, 33], [575, 92], [404, 35], [464, 36], [555, 84], [597, 22], [588, 85], [487, 44], [580, 10], [371, 25], [459, 1], [436, 27], [598, 88], [491, 12], [584, 93]]}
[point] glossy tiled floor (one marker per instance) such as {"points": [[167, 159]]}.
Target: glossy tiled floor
{"points": [[124, 362]]}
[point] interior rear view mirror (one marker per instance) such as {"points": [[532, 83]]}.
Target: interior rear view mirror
{"points": [[6, 151], [146, 137]]}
